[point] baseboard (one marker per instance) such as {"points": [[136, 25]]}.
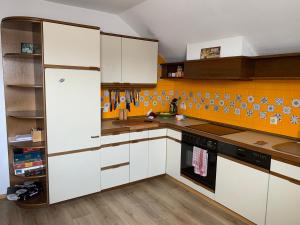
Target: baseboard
{"points": [[2, 197], [212, 202]]}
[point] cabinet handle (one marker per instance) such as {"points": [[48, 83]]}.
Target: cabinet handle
{"points": [[95, 136]]}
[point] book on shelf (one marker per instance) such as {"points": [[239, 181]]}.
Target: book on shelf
{"points": [[20, 138], [24, 170]]}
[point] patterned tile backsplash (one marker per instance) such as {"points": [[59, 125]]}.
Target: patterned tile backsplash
{"points": [[243, 103]]}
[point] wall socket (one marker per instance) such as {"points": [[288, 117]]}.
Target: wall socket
{"points": [[273, 120]]}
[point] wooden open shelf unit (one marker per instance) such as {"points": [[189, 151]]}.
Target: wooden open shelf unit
{"points": [[24, 93]]}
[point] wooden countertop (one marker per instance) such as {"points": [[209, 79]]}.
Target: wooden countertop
{"points": [[252, 140]]}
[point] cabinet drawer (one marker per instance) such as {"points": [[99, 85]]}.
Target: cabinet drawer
{"points": [[157, 133], [285, 169], [139, 135], [114, 177], [174, 134], [114, 155], [114, 138]]}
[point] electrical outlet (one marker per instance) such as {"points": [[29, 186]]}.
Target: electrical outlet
{"points": [[273, 120]]}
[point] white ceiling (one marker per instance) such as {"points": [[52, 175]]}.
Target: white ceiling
{"points": [[270, 26], [110, 6]]}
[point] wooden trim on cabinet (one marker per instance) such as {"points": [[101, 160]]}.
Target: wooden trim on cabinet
{"points": [[243, 163], [114, 166], [127, 36], [174, 139], [292, 180], [138, 140], [71, 24], [71, 67], [73, 151], [115, 144], [286, 161]]}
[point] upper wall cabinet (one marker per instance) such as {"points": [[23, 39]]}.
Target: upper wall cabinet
{"points": [[111, 59], [70, 45], [128, 60], [139, 61]]}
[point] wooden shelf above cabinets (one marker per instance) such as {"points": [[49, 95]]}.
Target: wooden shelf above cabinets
{"points": [[126, 86], [227, 68], [26, 114], [284, 66]]}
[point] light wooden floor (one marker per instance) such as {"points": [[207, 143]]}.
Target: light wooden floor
{"points": [[156, 201]]}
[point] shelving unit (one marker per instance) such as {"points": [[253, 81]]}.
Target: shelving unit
{"points": [[24, 94], [168, 68]]}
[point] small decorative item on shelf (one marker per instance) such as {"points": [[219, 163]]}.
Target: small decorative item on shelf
{"points": [[179, 72], [208, 53], [30, 48], [173, 106], [37, 135], [123, 114]]}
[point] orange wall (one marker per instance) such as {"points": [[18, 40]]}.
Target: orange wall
{"points": [[213, 100]]}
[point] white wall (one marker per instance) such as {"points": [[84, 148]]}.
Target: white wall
{"points": [[234, 46], [38, 8]]}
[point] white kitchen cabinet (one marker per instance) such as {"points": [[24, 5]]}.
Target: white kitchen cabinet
{"points": [[139, 61], [73, 175], [111, 59], [138, 161], [242, 189], [114, 155], [114, 177], [173, 158], [71, 45], [157, 157], [73, 109], [283, 202]]}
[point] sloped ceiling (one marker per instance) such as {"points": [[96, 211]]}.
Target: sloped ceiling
{"points": [[271, 26]]}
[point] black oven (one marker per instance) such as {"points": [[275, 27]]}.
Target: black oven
{"points": [[187, 169]]}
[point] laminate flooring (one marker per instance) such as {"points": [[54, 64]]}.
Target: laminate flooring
{"points": [[155, 201]]}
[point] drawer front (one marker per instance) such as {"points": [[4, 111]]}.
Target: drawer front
{"points": [[285, 169], [174, 134], [139, 135], [114, 138], [114, 177], [114, 155], [157, 133]]}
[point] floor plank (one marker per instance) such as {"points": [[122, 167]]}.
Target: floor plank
{"points": [[151, 202]]}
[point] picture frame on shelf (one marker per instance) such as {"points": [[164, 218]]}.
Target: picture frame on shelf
{"points": [[208, 53]]}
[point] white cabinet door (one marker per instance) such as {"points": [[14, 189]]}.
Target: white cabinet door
{"points": [[111, 62], [283, 202], [73, 175], [71, 45], [114, 155], [138, 161], [139, 61], [173, 158], [73, 109], [114, 177], [157, 157], [242, 189]]}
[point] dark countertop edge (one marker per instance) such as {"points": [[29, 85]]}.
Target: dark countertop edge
{"points": [[277, 155]]}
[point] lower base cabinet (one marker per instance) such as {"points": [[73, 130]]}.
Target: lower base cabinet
{"points": [[114, 177], [283, 202], [73, 175], [157, 157], [173, 158], [242, 189], [139, 160]]}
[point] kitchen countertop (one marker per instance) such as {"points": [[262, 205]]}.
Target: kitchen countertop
{"points": [[255, 141]]}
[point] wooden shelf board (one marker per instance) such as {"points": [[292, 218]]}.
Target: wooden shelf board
{"points": [[26, 114], [25, 85], [174, 78], [31, 177], [124, 86], [21, 55], [28, 144]]}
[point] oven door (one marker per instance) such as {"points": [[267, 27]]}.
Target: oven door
{"points": [[187, 168]]}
